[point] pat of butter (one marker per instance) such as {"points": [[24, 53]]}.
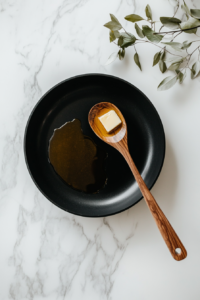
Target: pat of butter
{"points": [[110, 120]]}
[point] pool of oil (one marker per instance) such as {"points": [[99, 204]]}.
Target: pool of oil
{"points": [[77, 159]]}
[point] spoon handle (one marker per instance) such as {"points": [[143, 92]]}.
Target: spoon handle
{"points": [[170, 237]]}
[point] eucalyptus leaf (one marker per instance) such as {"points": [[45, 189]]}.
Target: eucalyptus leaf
{"points": [[191, 31], [156, 58], [148, 12], [113, 26], [127, 35], [114, 19], [170, 22], [162, 66], [174, 66], [121, 54], [186, 45], [128, 39], [133, 18], [139, 31], [167, 83], [173, 59], [137, 60], [190, 23], [185, 8], [120, 41], [181, 76], [111, 58], [112, 36], [195, 13], [195, 69], [192, 74], [174, 45], [163, 55], [116, 34], [149, 33]]}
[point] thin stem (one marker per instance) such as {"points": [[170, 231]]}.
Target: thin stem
{"points": [[160, 29], [175, 36], [194, 50], [174, 31], [195, 41], [126, 31], [158, 46], [176, 10], [115, 44], [190, 55]]}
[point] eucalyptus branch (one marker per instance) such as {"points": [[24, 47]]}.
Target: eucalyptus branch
{"points": [[158, 47], [177, 63], [175, 31]]}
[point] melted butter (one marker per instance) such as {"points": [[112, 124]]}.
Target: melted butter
{"points": [[77, 159]]}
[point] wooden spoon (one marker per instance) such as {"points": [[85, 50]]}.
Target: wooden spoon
{"points": [[118, 139]]}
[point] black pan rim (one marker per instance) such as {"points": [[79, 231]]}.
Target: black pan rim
{"points": [[38, 103]]}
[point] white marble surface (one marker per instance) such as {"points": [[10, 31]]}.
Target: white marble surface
{"points": [[46, 253]]}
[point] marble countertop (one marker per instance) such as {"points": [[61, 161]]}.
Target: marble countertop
{"points": [[46, 253]]}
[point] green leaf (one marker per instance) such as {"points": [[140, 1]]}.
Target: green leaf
{"points": [[139, 31], [167, 83], [195, 69], [174, 45], [174, 66], [186, 45], [111, 58], [133, 18], [137, 60], [170, 22], [163, 55], [112, 36], [115, 20], [156, 58], [121, 54], [192, 74], [113, 26], [190, 23], [128, 39], [195, 13], [162, 66], [116, 34], [185, 8], [120, 41], [172, 59], [181, 76], [148, 32], [148, 12], [191, 31]]}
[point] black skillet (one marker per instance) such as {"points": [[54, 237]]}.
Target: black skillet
{"points": [[72, 99]]}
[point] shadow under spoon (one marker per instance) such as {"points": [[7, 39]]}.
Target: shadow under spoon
{"points": [[118, 139]]}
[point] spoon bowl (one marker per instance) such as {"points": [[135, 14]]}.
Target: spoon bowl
{"points": [[117, 138], [115, 135]]}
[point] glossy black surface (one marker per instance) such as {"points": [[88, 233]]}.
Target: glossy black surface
{"points": [[72, 99]]}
